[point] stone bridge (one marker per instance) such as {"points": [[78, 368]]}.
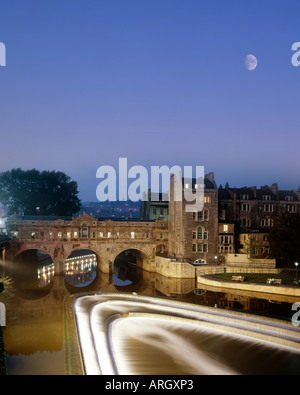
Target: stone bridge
{"points": [[60, 237]]}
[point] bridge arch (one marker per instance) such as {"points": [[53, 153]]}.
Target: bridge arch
{"points": [[127, 267], [32, 270], [82, 267], [143, 255]]}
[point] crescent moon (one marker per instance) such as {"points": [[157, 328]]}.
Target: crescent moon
{"points": [[250, 62]]}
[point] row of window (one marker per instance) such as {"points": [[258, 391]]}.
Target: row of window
{"points": [[200, 247], [201, 216], [76, 235], [263, 222], [268, 198], [200, 234], [226, 239], [269, 208]]}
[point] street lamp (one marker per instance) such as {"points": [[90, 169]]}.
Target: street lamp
{"points": [[296, 264]]}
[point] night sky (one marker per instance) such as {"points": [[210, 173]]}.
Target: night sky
{"points": [[160, 82]]}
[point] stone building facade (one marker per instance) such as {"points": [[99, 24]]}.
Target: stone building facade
{"points": [[194, 235], [253, 210]]}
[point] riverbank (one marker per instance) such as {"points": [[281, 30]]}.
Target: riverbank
{"points": [[2, 355], [254, 282]]}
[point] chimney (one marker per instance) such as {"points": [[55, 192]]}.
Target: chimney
{"points": [[274, 188]]}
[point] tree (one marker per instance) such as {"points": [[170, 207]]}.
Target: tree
{"points": [[39, 193], [284, 238]]}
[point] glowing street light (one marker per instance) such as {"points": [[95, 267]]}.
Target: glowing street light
{"points": [[296, 264]]}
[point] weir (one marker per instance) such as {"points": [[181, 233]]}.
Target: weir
{"points": [[123, 334]]}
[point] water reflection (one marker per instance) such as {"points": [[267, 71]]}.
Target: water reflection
{"points": [[32, 270], [36, 335], [127, 268], [45, 275], [81, 268]]}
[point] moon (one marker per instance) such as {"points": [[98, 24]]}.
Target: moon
{"points": [[250, 62]]}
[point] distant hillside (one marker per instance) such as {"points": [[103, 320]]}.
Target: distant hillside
{"points": [[111, 209]]}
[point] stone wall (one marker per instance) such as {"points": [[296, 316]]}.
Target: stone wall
{"points": [[242, 260], [169, 267]]}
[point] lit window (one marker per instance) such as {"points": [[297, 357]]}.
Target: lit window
{"points": [[132, 235], [75, 235], [59, 235], [101, 234], [108, 234], [68, 235], [225, 228]]}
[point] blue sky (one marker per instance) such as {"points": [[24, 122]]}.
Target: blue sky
{"points": [[160, 82]]}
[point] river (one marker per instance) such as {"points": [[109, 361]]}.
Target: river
{"points": [[35, 334]]}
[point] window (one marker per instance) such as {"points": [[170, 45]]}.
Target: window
{"points": [[266, 222], [68, 235], [101, 235], [194, 248], [109, 234], [206, 199], [245, 207], [200, 247], [147, 235], [245, 222], [288, 198], [244, 197], [194, 235], [132, 235], [59, 235], [75, 235], [201, 216], [161, 211], [291, 209], [266, 197], [161, 235], [268, 208], [225, 228], [84, 231], [200, 233]]}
